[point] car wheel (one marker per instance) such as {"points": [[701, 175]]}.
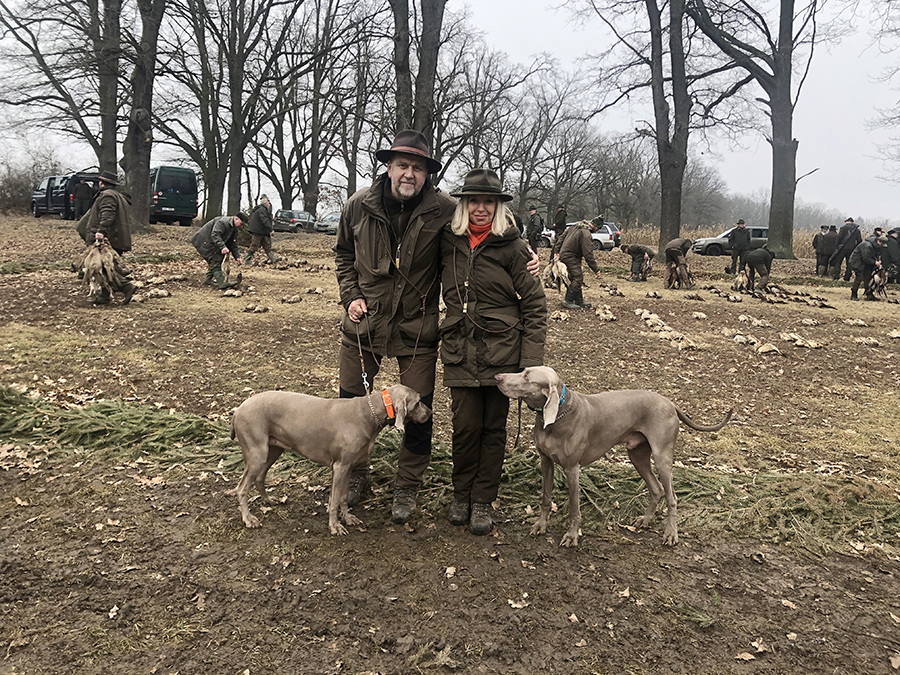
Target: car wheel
{"points": [[186, 222], [596, 245], [35, 211], [294, 230], [713, 249]]}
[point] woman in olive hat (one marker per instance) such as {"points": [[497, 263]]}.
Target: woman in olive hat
{"points": [[496, 323]]}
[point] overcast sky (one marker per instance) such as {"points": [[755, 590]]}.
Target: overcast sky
{"points": [[831, 121]]}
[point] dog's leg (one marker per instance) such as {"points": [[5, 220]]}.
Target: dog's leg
{"points": [[664, 461], [573, 478], [540, 525], [340, 484], [640, 458], [253, 473], [343, 491], [271, 458]]}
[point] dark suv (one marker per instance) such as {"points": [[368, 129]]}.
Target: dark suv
{"points": [[54, 194], [293, 221]]}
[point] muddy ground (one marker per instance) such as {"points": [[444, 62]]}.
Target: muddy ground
{"points": [[131, 566]]}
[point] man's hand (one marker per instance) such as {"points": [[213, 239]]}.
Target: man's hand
{"points": [[357, 309], [98, 236], [238, 261], [224, 250], [534, 265]]}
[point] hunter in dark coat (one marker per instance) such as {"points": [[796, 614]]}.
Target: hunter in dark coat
{"points": [[739, 241], [496, 322], [826, 247], [260, 228], [759, 261], [676, 263], [640, 260], [216, 239], [559, 222], [574, 246], [848, 239], [890, 256], [863, 261]]}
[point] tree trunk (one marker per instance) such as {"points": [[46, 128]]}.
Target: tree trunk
{"points": [[402, 72], [784, 175], [139, 137], [110, 48], [423, 113]]}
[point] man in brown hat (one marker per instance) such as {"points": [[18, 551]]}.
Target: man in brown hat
{"points": [[387, 265], [110, 218]]}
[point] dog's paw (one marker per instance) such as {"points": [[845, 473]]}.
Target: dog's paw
{"points": [[352, 520], [539, 527], [251, 521], [670, 538], [570, 539]]}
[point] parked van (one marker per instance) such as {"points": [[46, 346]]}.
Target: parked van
{"points": [[54, 194], [173, 195]]}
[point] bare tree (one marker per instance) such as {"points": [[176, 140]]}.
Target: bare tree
{"points": [[63, 69], [743, 33], [416, 109], [139, 135]]}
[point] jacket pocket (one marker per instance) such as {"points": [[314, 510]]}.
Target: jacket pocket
{"points": [[365, 327], [453, 341], [502, 339]]}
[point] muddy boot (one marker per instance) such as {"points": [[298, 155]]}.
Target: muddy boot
{"points": [[273, 258], [404, 505], [821, 271], [458, 513], [871, 296], [221, 284], [247, 256], [210, 278], [579, 300], [129, 290], [359, 483], [410, 472], [569, 302], [481, 522], [853, 295]]}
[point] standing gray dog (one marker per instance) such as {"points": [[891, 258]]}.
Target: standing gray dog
{"points": [[574, 430], [339, 432]]}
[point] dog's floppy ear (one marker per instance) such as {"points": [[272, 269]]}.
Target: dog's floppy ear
{"points": [[400, 397], [551, 406]]}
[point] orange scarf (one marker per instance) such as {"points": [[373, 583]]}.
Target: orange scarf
{"points": [[478, 234]]}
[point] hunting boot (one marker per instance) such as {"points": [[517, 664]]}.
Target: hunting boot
{"points": [[853, 295], [272, 257], [579, 300], [821, 271], [481, 522], [359, 483], [210, 278], [410, 472], [129, 290], [458, 513], [221, 284], [871, 296], [569, 302], [247, 256]]}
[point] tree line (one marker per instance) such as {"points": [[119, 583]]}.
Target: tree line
{"points": [[298, 94]]}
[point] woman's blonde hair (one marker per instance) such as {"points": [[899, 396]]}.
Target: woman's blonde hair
{"points": [[503, 219]]}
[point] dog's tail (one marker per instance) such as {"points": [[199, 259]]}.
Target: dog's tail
{"points": [[232, 427], [693, 425]]}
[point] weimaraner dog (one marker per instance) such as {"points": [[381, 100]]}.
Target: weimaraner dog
{"points": [[340, 432], [574, 430]]}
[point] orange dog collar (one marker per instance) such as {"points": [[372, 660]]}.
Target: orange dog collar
{"points": [[388, 405]]}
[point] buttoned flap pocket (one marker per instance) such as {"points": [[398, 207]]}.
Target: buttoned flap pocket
{"points": [[502, 335], [453, 340], [366, 325]]}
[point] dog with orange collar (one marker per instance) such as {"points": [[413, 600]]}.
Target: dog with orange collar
{"points": [[337, 432]]}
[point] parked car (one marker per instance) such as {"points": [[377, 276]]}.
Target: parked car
{"points": [[173, 195], [605, 239], [54, 194], [759, 236], [328, 224], [293, 221]]}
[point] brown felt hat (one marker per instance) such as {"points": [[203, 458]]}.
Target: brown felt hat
{"points": [[245, 219], [109, 178], [482, 182], [410, 142], [740, 222]]}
